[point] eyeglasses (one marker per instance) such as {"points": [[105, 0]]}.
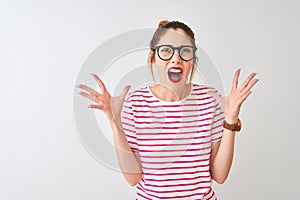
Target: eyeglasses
{"points": [[166, 52]]}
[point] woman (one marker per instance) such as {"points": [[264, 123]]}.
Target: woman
{"points": [[173, 138]]}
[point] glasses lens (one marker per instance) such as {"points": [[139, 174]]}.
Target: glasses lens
{"points": [[187, 53], [165, 52]]}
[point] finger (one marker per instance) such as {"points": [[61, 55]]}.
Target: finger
{"points": [[245, 96], [88, 89], [85, 94], [91, 97], [124, 91], [250, 86], [100, 107], [246, 82], [215, 95], [236, 78], [100, 83]]}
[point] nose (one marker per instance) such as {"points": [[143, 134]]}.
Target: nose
{"points": [[176, 58]]}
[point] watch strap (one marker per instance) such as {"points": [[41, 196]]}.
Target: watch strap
{"points": [[233, 127]]}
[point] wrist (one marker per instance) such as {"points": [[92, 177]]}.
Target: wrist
{"points": [[115, 122], [231, 120]]}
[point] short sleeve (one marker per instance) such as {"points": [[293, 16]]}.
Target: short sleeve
{"points": [[217, 123], [128, 124]]}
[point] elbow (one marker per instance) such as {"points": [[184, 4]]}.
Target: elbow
{"points": [[219, 176], [133, 184], [220, 180], [132, 181]]}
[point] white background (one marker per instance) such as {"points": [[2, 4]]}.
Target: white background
{"points": [[43, 45]]}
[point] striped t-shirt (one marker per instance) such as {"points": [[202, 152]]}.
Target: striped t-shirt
{"points": [[174, 141]]}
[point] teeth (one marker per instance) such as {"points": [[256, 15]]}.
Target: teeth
{"points": [[175, 70]]}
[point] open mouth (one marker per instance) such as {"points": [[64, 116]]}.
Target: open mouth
{"points": [[175, 74]]}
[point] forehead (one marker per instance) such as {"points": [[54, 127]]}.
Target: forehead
{"points": [[175, 37]]}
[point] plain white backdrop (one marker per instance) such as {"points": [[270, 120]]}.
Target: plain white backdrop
{"points": [[43, 45]]}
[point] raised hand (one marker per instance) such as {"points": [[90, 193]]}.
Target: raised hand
{"points": [[232, 103], [111, 106]]}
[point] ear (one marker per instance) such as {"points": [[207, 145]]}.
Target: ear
{"points": [[151, 57], [196, 62]]}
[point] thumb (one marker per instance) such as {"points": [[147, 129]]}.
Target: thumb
{"points": [[214, 95], [124, 91]]}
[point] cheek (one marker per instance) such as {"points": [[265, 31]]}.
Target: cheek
{"points": [[157, 61], [187, 70], [160, 65], [161, 70]]}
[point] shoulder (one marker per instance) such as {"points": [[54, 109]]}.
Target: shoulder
{"points": [[199, 92], [203, 88], [138, 93]]}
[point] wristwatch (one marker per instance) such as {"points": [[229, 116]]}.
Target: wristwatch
{"points": [[233, 127]]}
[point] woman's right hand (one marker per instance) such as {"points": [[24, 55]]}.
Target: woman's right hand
{"points": [[111, 106]]}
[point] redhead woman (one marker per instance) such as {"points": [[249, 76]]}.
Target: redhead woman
{"points": [[173, 138]]}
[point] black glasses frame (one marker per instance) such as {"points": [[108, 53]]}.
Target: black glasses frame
{"points": [[175, 48]]}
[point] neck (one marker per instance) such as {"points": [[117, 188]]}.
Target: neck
{"points": [[169, 93]]}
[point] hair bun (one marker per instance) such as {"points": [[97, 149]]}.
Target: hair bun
{"points": [[162, 22]]}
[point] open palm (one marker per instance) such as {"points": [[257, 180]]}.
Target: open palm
{"points": [[111, 106], [232, 103]]}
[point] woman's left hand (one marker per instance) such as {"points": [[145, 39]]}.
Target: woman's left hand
{"points": [[232, 103]]}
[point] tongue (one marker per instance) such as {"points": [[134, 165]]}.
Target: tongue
{"points": [[175, 77]]}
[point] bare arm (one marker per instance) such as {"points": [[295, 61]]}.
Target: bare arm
{"points": [[222, 156], [222, 152], [129, 162]]}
